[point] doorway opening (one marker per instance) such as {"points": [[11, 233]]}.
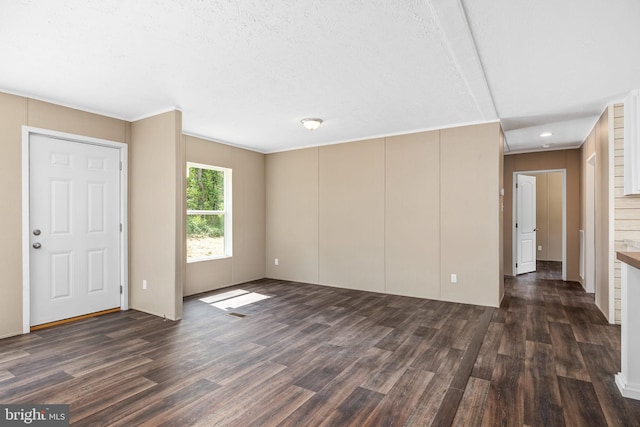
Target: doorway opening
{"points": [[548, 228]]}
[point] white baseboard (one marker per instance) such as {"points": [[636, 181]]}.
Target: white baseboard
{"points": [[631, 391]]}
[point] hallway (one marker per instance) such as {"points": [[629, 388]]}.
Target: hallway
{"points": [[551, 357]]}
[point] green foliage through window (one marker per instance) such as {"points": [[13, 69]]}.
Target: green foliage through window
{"points": [[206, 212], [205, 189], [205, 225]]}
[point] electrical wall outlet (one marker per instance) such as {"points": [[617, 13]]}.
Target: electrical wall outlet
{"points": [[144, 284], [454, 278], [276, 261]]}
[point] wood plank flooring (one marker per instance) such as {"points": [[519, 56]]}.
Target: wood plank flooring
{"points": [[318, 356]]}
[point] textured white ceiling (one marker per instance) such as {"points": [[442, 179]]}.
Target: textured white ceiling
{"points": [[246, 72]]}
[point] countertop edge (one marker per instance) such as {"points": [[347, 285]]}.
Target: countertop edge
{"points": [[631, 258]]}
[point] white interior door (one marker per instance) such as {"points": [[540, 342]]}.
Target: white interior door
{"points": [[526, 224], [74, 197]]}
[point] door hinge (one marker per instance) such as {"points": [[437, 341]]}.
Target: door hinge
{"points": [[121, 227], [516, 184], [121, 285], [516, 226], [120, 165], [516, 267]]}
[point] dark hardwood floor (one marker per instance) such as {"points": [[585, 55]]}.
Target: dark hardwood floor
{"points": [[311, 355]]}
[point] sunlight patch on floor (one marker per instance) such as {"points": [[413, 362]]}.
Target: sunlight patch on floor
{"points": [[233, 299], [223, 296]]}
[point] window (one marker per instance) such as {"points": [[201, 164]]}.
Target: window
{"points": [[208, 212]]}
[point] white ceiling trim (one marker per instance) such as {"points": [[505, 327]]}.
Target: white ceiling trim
{"points": [[540, 150], [62, 104], [386, 135], [208, 139], [156, 113]]}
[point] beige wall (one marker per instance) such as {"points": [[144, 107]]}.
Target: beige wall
{"points": [[395, 215], [351, 215], [55, 117], [15, 112], [548, 160], [412, 215], [469, 212], [156, 219], [292, 213], [248, 192], [549, 216], [598, 142]]}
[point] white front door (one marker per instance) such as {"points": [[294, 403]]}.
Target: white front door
{"points": [[526, 224], [74, 230]]}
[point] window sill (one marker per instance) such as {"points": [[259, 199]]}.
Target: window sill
{"points": [[191, 261]]}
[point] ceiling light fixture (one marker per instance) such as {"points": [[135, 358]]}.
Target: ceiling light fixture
{"points": [[545, 134], [311, 124]]}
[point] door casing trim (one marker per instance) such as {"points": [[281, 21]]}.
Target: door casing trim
{"points": [[27, 131]]}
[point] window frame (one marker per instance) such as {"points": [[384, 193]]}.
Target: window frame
{"points": [[226, 213]]}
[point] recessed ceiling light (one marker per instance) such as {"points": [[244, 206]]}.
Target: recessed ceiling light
{"points": [[311, 124], [545, 134]]}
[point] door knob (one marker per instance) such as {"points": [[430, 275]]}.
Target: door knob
{"points": [[36, 232], [36, 245]]}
